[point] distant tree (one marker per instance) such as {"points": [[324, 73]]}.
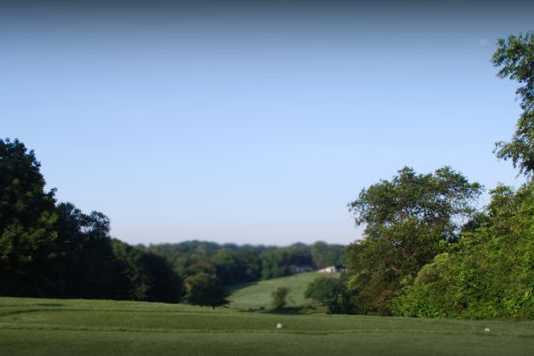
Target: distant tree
{"points": [[331, 292], [515, 57], [27, 222], [407, 220], [274, 263], [236, 266], [204, 289], [279, 298], [151, 277], [325, 254], [299, 254]]}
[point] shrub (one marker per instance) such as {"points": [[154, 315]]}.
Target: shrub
{"points": [[488, 274], [204, 289], [330, 292], [279, 298]]}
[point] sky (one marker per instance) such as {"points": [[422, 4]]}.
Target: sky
{"points": [[252, 122]]}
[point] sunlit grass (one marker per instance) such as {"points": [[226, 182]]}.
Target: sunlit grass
{"points": [[87, 327]]}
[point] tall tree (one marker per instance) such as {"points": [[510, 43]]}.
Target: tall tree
{"points": [[150, 276], [90, 266], [406, 221], [27, 221], [515, 58]]}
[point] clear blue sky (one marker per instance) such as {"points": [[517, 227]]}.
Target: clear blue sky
{"points": [[251, 124]]}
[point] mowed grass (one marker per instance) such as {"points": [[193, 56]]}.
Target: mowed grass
{"points": [[258, 295], [85, 327]]}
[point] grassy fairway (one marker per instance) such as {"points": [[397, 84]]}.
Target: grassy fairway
{"points": [[80, 327], [257, 295]]}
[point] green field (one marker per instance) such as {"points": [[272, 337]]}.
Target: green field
{"points": [[258, 295], [85, 327]]}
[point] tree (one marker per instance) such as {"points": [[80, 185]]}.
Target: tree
{"points": [[438, 200], [325, 255], [331, 292], [274, 263], [407, 221], [204, 289], [162, 283], [151, 277], [88, 265], [299, 254], [27, 222], [488, 274], [279, 298], [50, 250], [515, 57]]}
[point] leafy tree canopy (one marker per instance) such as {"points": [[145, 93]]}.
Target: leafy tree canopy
{"points": [[204, 289], [489, 273], [407, 220], [440, 199], [515, 58], [27, 220], [331, 292]]}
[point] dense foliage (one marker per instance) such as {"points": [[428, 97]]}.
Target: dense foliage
{"points": [[53, 249], [233, 264], [485, 269], [515, 58], [407, 222], [151, 276], [331, 292], [489, 273], [204, 289], [27, 222]]}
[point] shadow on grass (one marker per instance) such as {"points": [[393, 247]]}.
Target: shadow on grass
{"points": [[55, 305], [289, 310]]}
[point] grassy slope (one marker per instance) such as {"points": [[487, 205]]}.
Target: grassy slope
{"points": [[256, 295], [80, 327]]}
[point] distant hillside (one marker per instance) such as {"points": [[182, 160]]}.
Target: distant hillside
{"points": [[257, 295]]}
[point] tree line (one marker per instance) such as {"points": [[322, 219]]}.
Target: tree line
{"points": [[237, 264], [53, 249]]}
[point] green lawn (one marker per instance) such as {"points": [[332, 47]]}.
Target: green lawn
{"points": [[258, 295], [85, 327]]}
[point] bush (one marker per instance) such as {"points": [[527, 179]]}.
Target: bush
{"points": [[279, 298], [332, 293], [204, 289], [488, 274]]}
